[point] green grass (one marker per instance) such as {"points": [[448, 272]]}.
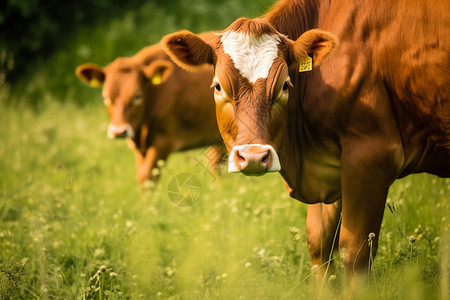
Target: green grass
{"points": [[69, 204], [74, 225]]}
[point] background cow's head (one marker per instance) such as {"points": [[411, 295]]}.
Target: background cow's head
{"points": [[126, 83], [252, 63]]}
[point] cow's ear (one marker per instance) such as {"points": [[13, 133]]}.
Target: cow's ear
{"points": [[316, 44], [158, 71], [91, 74], [188, 50]]}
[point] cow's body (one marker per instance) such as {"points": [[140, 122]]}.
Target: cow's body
{"points": [[157, 106], [389, 80], [375, 110]]}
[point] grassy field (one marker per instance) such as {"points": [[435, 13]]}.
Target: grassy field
{"points": [[74, 224], [70, 208]]}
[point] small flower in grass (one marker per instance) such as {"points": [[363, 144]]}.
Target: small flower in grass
{"points": [[412, 239], [102, 269], [242, 190], [170, 271], [418, 228], [156, 172], [332, 278], [160, 163], [315, 268], [257, 212], [99, 252], [248, 265], [294, 230], [261, 252], [148, 185], [113, 274]]}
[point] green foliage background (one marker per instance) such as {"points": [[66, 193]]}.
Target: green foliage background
{"points": [[74, 225]]}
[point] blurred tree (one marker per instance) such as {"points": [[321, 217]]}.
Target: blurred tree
{"points": [[32, 28]]}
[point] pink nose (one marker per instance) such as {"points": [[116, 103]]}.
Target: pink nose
{"points": [[120, 131], [253, 159]]}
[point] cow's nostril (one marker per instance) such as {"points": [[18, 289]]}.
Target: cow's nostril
{"points": [[241, 159], [265, 160]]}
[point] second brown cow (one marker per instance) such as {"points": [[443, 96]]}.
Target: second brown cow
{"points": [[157, 106]]}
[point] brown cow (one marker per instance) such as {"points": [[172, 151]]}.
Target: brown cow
{"points": [[159, 107], [341, 113]]}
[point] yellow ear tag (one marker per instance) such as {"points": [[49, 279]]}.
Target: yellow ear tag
{"points": [[306, 64], [157, 79], [94, 82]]}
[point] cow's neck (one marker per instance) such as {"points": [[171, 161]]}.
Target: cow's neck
{"points": [[293, 17], [305, 158]]}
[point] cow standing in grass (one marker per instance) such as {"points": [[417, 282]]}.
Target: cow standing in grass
{"points": [[157, 106], [340, 112]]}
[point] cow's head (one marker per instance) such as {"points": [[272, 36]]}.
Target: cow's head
{"points": [[125, 90], [252, 63]]}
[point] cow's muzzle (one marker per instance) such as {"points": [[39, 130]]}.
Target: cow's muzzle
{"points": [[120, 131], [253, 159]]}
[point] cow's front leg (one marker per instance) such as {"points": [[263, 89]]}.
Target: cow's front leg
{"points": [[147, 168], [322, 224], [361, 222], [146, 171], [365, 181], [371, 159]]}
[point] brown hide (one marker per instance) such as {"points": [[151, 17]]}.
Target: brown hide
{"points": [[157, 106], [373, 109]]}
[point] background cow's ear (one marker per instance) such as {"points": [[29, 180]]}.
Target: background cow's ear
{"points": [[91, 74], [158, 71], [187, 49], [317, 43]]}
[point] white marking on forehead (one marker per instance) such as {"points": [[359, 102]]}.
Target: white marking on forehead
{"points": [[252, 56]]}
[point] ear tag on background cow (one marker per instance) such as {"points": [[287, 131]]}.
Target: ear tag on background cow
{"points": [[306, 64], [94, 82], [157, 79]]}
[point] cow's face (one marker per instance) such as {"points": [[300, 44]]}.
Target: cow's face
{"points": [[252, 62], [126, 90]]}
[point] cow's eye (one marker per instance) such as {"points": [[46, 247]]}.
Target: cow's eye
{"points": [[286, 86], [217, 87]]}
